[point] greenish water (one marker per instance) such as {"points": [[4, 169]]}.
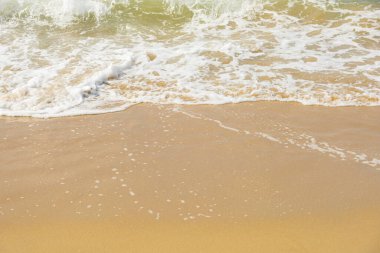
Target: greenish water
{"points": [[67, 57]]}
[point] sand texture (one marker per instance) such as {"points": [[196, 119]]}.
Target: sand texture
{"points": [[252, 177]]}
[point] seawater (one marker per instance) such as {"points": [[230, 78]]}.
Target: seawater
{"points": [[70, 57]]}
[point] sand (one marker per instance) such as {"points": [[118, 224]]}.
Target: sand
{"points": [[251, 177]]}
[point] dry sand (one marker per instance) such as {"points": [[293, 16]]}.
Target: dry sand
{"points": [[254, 177]]}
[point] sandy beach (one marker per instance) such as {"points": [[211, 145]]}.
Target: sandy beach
{"points": [[251, 177], [199, 126]]}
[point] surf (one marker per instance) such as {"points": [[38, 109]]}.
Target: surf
{"points": [[65, 57]]}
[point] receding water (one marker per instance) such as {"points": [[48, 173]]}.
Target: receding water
{"points": [[67, 57]]}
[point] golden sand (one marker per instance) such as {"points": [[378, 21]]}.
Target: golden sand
{"points": [[254, 177]]}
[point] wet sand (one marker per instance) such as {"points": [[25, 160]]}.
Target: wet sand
{"points": [[253, 177]]}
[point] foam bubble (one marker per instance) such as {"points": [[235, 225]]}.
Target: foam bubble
{"points": [[90, 57]]}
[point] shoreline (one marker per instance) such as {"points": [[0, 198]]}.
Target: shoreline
{"points": [[226, 104]]}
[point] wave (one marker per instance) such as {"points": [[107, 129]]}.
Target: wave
{"points": [[64, 12], [67, 57]]}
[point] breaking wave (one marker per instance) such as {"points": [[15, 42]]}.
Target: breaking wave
{"points": [[67, 57]]}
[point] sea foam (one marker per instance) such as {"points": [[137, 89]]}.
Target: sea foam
{"points": [[64, 57]]}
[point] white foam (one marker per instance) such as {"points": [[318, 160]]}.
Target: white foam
{"points": [[287, 137], [230, 52], [62, 11]]}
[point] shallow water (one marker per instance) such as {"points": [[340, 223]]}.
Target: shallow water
{"points": [[66, 57]]}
